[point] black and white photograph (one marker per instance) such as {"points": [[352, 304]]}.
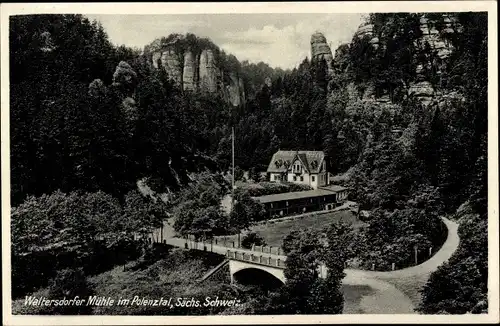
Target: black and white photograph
{"points": [[272, 164]]}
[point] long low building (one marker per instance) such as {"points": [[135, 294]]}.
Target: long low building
{"points": [[323, 198]]}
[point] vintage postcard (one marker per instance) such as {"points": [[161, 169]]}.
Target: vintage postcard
{"points": [[249, 163]]}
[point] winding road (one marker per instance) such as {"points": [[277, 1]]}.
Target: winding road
{"points": [[398, 291], [393, 292]]}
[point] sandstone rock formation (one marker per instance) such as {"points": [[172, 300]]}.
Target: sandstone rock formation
{"points": [[241, 89], [172, 65], [436, 38], [423, 91], [234, 91], [194, 67], [366, 29], [208, 71], [190, 75], [321, 50]]}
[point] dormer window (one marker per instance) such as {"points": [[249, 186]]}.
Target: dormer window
{"points": [[296, 167]]}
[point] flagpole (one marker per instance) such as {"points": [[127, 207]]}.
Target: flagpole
{"points": [[232, 179]]}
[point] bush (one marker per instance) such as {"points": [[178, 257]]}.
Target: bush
{"points": [[269, 188], [67, 284], [390, 237], [252, 238]]}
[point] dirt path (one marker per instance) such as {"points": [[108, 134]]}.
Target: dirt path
{"points": [[410, 280], [380, 298]]}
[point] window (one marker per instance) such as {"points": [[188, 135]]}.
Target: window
{"points": [[313, 178], [301, 178], [294, 178]]}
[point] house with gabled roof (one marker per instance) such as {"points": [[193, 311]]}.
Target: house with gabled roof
{"points": [[304, 167]]}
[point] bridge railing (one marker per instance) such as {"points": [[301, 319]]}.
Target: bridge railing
{"points": [[268, 249], [256, 258]]}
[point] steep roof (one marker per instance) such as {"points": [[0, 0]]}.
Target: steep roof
{"points": [[312, 160]]}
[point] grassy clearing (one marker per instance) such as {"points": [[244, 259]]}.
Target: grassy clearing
{"points": [[274, 232]]}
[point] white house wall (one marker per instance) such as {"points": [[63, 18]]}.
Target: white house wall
{"points": [[305, 175]]}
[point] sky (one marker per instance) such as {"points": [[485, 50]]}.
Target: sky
{"points": [[280, 40]]}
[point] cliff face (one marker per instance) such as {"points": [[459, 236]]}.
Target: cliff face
{"points": [[169, 60], [433, 39], [196, 69], [190, 72], [320, 50], [208, 71]]}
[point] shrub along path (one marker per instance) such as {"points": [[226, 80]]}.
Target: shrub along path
{"points": [[410, 280]]}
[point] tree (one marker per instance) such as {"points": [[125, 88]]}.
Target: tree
{"points": [[254, 174], [197, 209], [70, 283], [58, 231], [251, 239], [238, 173], [304, 291]]}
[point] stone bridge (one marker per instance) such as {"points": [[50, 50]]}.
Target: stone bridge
{"points": [[255, 266]]}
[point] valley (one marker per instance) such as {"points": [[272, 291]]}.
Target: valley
{"points": [[139, 172]]}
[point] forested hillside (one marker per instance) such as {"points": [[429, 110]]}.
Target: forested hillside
{"points": [[400, 111]]}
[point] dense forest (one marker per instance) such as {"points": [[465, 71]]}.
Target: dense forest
{"points": [[88, 119]]}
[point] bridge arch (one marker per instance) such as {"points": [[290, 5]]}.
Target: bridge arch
{"points": [[253, 274], [257, 276]]}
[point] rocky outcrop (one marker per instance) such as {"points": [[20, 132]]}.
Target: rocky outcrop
{"points": [[366, 30], [207, 71], [434, 35], [190, 72], [430, 33], [234, 92], [241, 89], [321, 50], [172, 65], [437, 38], [422, 91], [193, 66]]}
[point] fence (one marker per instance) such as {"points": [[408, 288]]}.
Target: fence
{"points": [[256, 259]]}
